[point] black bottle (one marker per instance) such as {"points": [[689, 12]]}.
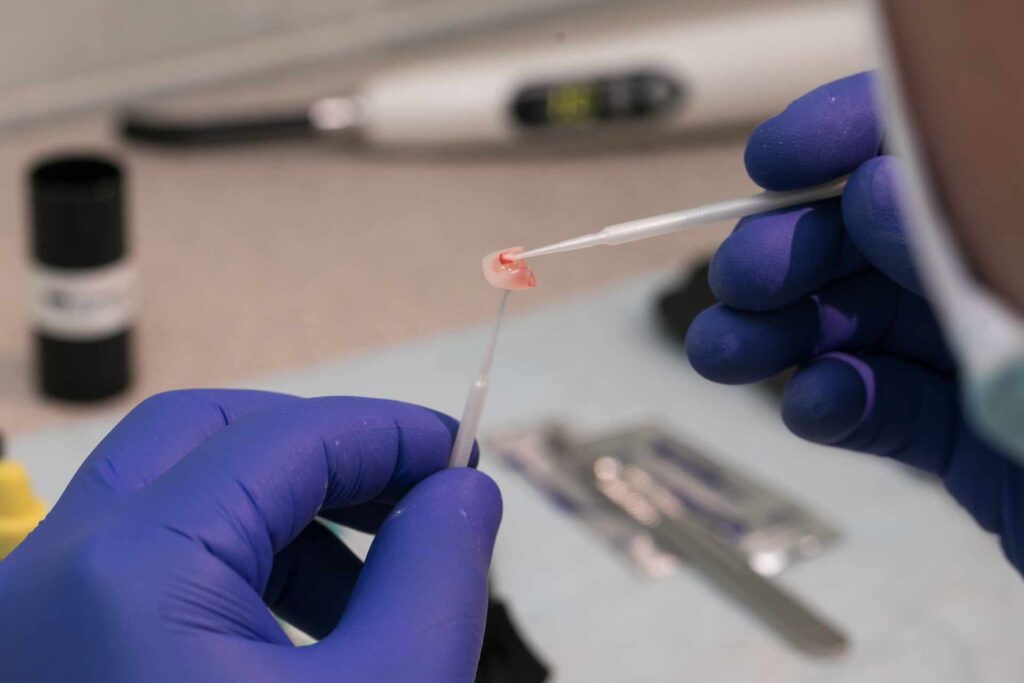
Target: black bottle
{"points": [[83, 283]]}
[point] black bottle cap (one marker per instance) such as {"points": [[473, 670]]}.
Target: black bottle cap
{"points": [[77, 211]]}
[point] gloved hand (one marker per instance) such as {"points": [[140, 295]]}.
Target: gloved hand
{"points": [[196, 513], [830, 287]]}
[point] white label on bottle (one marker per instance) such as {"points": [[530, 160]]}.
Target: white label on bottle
{"points": [[83, 304]]}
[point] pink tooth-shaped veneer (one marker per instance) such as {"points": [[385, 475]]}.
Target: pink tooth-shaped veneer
{"points": [[504, 271]]}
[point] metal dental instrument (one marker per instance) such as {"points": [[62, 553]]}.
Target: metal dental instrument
{"points": [[729, 209], [778, 608], [464, 438]]}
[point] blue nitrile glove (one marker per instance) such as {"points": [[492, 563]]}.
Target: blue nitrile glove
{"points": [[196, 512], [831, 288]]}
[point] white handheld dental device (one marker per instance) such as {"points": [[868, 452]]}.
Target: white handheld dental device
{"points": [[471, 413], [729, 209], [665, 80]]}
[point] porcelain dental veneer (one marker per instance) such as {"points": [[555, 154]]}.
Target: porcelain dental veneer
{"points": [[503, 271]]}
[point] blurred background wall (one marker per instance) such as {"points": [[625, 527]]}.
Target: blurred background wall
{"points": [[267, 257], [64, 54]]}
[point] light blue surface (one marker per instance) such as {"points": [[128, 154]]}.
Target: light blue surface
{"points": [[923, 594]]}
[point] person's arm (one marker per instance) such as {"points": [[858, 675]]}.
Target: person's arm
{"points": [[196, 514]]}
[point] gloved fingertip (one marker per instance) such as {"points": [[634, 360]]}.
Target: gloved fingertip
{"points": [[451, 518], [473, 493], [449, 422], [874, 220], [822, 135], [772, 259], [826, 400], [743, 267], [712, 349], [738, 347]]}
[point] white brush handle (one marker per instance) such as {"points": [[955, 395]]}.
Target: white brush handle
{"points": [[469, 423], [474, 408], [726, 210], [655, 226]]}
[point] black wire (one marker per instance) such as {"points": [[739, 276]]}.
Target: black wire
{"points": [[145, 127]]}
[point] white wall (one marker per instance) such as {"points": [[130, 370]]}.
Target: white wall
{"points": [[57, 55]]}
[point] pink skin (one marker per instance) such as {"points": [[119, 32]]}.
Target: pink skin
{"points": [[504, 271]]}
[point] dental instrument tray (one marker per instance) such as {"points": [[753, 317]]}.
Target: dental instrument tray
{"points": [[650, 476], [665, 504]]}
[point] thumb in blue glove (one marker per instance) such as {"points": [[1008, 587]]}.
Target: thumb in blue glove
{"points": [[196, 514]]}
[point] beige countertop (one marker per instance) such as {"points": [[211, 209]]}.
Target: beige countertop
{"points": [[264, 258]]}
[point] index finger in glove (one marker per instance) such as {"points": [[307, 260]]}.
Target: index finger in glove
{"points": [[154, 436], [823, 135], [248, 490], [864, 311], [774, 259]]}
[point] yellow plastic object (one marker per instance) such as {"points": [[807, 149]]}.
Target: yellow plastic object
{"points": [[20, 509]]}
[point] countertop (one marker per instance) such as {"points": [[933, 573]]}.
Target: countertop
{"points": [[920, 591], [266, 258]]}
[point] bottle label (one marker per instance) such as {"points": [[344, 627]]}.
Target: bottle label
{"points": [[83, 304]]}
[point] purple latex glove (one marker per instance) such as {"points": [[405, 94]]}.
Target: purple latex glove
{"points": [[196, 513], [831, 288]]}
